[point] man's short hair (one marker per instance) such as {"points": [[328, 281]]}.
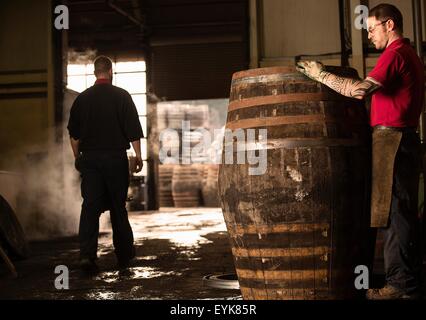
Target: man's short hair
{"points": [[385, 11], [102, 65]]}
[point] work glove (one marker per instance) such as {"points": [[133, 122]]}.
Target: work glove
{"points": [[311, 69]]}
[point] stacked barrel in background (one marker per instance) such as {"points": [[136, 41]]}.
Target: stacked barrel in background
{"points": [[198, 118], [299, 230], [186, 185], [209, 188], [165, 185]]}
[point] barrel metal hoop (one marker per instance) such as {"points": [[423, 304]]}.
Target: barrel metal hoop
{"points": [[281, 275], [264, 71], [278, 121], [239, 229], [273, 144], [287, 294], [270, 78], [279, 252], [283, 98]]}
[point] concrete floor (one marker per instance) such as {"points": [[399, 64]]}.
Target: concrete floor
{"points": [[175, 250]]}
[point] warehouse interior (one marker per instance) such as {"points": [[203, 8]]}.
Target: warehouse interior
{"points": [[176, 58]]}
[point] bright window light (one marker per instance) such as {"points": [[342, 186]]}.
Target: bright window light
{"points": [[76, 69], [130, 66], [90, 68], [140, 102], [142, 120], [132, 82], [77, 83], [144, 148]]}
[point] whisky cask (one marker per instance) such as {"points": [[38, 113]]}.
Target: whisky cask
{"points": [[298, 230]]}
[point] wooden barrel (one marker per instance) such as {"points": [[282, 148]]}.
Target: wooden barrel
{"points": [[171, 143], [297, 230], [12, 237], [191, 151], [186, 186], [198, 115], [162, 111], [209, 188], [136, 198], [175, 116], [165, 185]]}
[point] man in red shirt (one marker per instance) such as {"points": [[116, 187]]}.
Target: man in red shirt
{"points": [[397, 86]]}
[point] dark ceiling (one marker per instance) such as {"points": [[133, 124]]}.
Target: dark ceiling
{"points": [[192, 47], [106, 26], [129, 25]]}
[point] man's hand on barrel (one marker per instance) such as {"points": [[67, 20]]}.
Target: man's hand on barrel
{"points": [[311, 69]]}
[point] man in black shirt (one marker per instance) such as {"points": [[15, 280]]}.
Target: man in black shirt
{"points": [[103, 121]]}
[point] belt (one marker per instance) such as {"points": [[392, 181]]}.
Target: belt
{"points": [[104, 152], [403, 129]]}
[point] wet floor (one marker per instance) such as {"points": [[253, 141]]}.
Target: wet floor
{"points": [[175, 249]]}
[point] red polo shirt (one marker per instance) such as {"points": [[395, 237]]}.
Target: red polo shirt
{"points": [[399, 102], [103, 81]]}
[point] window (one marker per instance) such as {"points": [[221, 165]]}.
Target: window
{"points": [[129, 75]]}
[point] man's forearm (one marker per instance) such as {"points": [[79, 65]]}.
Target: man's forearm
{"points": [[75, 145], [348, 87], [137, 147]]}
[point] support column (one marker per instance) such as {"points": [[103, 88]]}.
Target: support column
{"points": [[358, 59], [255, 33]]}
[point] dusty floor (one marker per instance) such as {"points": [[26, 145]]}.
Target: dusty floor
{"points": [[175, 250]]}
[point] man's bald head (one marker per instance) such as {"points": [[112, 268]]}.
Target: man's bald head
{"points": [[103, 67]]}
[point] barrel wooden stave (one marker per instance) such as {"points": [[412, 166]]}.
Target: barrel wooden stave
{"points": [[209, 187], [165, 185], [197, 115], [12, 236], [175, 116], [186, 186]]}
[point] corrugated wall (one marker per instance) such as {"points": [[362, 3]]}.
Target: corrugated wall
{"points": [[196, 46], [196, 71]]}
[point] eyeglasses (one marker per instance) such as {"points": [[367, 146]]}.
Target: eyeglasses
{"points": [[371, 30]]}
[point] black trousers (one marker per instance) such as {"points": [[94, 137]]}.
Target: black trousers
{"points": [[104, 185], [402, 237]]}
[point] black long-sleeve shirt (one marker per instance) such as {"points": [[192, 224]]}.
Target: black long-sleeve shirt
{"points": [[104, 117]]}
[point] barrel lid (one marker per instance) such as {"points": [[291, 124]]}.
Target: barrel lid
{"points": [[263, 72], [341, 71], [11, 233]]}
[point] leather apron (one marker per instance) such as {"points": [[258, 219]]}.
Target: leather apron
{"points": [[386, 142]]}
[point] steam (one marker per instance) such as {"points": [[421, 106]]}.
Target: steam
{"points": [[49, 202], [81, 57], [50, 199]]}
